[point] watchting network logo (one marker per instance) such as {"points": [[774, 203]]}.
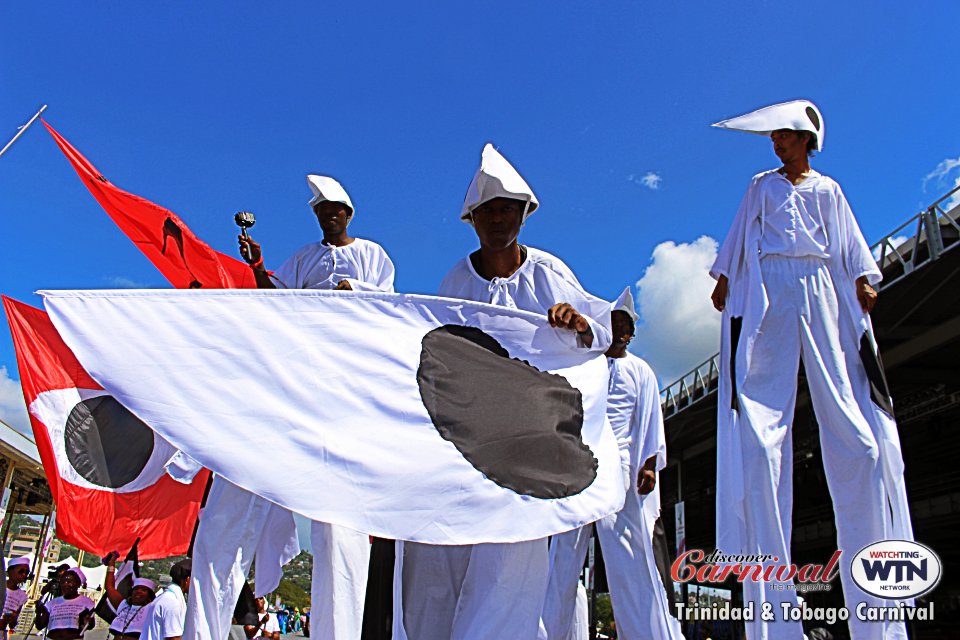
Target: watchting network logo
{"points": [[896, 569]]}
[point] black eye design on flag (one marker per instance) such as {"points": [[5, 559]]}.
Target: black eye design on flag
{"points": [[105, 443], [519, 426]]}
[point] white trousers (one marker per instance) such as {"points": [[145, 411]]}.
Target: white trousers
{"points": [[640, 604], [473, 592], [235, 526], [341, 561], [802, 321]]}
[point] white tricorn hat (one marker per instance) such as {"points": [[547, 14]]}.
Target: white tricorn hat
{"points": [[144, 582], [798, 115], [326, 188], [496, 178], [625, 303]]}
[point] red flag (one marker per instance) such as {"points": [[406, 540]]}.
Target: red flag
{"points": [[185, 260], [104, 466]]}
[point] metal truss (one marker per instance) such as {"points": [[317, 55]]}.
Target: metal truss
{"points": [[917, 242]]}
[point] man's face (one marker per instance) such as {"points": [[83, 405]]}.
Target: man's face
{"points": [[789, 145], [622, 325], [140, 596], [261, 604], [19, 573], [332, 216], [69, 584], [497, 222]]}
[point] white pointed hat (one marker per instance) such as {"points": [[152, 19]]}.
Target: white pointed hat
{"points": [[496, 178], [625, 303], [326, 188], [798, 115]]}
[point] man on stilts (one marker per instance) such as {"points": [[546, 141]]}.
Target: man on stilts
{"points": [[795, 280]]}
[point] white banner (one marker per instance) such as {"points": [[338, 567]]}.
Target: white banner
{"points": [[407, 417]]}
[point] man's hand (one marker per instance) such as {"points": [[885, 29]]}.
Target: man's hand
{"points": [[563, 316], [647, 478], [249, 249], [719, 295], [866, 295], [343, 285], [646, 481], [86, 620]]}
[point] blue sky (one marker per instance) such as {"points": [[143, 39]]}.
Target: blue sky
{"points": [[207, 108]]}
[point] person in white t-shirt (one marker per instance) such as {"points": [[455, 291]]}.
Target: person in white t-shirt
{"points": [[165, 615], [69, 615], [18, 570], [268, 625]]}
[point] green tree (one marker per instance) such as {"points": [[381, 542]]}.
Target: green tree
{"points": [[604, 611]]}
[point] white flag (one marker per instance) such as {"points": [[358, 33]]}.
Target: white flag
{"points": [[408, 417]]}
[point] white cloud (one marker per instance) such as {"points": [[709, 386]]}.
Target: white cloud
{"points": [[678, 328], [13, 411], [895, 241], [650, 180], [946, 176], [122, 282]]}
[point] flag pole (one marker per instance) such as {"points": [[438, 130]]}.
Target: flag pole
{"points": [[22, 129]]}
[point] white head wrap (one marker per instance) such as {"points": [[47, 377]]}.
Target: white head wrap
{"points": [[143, 582], [798, 115], [78, 573], [25, 561], [496, 178], [326, 188]]}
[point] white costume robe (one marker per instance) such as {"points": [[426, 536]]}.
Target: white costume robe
{"points": [[640, 604], [491, 591], [792, 258], [238, 525]]}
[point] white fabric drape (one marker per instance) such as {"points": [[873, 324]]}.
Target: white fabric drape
{"points": [[325, 384]]}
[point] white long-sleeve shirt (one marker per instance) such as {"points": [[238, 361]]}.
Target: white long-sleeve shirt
{"points": [[633, 408], [363, 263], [812, 218], [541, 281], [792, 218]]}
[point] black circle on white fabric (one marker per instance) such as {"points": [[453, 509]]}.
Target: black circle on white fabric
{"points": [[519, 426], [814, 118], [106, 444]]}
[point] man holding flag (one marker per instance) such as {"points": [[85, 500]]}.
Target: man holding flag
{"points": [[340, 555], [488, 591]]}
